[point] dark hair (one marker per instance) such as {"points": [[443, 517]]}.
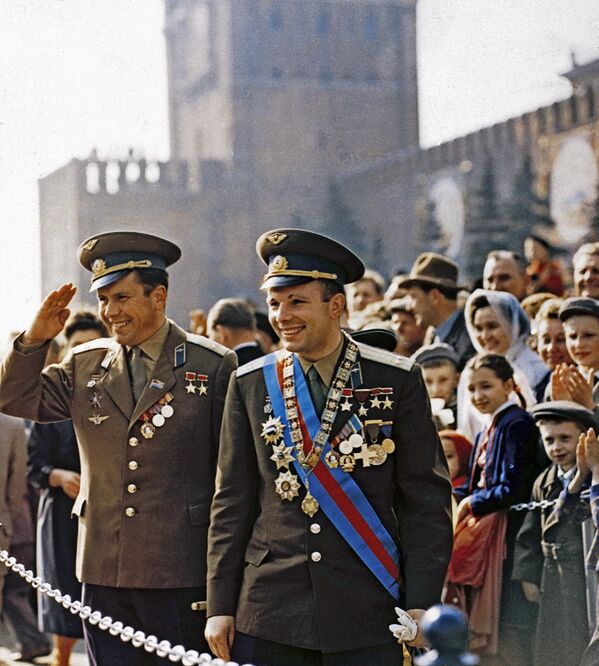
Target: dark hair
{"points": [[478, 303], [232, 313], [151, 278], [500, 366], [450, 293], [84, 320], [329, 289]]}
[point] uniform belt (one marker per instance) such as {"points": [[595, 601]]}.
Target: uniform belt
{"points": [[560, 551]]}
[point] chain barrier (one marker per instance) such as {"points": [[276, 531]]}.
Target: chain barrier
{"points": [[530, 506], [138, 639]]}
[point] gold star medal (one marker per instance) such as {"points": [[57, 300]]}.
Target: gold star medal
{"points": [[287, 485], [272, 430]]}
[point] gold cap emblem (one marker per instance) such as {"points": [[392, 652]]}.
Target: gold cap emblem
{"points": [[276, 238], [98, 266], [279, 264], [89, 246]]}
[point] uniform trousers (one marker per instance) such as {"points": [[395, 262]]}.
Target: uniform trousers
{"points": [[164, 613], [259, 652]]}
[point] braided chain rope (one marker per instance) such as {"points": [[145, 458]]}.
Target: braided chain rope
{"points": [[138, 639], [530, 506]]}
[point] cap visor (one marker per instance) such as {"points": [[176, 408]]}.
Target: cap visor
{"points": [[284, 281], [105, 280]]}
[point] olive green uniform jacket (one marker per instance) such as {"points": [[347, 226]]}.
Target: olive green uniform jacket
{"points": [[144, 503], [293, 579]]}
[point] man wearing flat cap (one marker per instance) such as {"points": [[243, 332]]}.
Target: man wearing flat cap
{"points": [[147, 407], [332, 502], [433, 288]]}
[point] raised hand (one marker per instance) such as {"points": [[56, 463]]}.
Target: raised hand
{"points": [[559, 389], [51, 317], [579, 388]]}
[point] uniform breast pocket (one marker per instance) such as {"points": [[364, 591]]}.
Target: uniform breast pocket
{"points": [[255, 553], [199, 512]]}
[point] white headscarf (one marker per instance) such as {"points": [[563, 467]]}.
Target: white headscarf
{"points": [[529, 370]]}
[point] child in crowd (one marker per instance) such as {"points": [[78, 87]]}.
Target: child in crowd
{"points": [[549, 559], [457, 451], [439, 364], [579, 383], [500, 474]]}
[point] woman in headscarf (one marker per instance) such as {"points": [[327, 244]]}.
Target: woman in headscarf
{"points": [[497, 324]]}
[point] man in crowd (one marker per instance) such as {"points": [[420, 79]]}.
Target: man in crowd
{"points": [[433, 289], [410, 334], [586, 270], [370, 288], [332, 503], [506, 271], [146, 407], [231, 322]]}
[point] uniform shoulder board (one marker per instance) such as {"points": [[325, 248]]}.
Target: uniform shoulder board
{"points": [[98, 343], [386, 357], [246, 368], [205, 342]]}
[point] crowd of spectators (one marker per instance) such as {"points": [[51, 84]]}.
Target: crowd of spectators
{"points": [[511, 364]]}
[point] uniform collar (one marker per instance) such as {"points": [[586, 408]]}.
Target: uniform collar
{"points": [[324, 366], [153, 346]]}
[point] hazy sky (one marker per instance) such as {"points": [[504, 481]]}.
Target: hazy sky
{"points": [[75, 74]]}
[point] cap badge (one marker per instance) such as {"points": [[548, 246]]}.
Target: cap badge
{"points": [[276, 238], [279, 264], [89, 246], [98, 266]]}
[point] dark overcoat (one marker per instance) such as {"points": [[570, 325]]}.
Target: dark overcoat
{"points": [[549, 553], [144, 503], [293, 579]]}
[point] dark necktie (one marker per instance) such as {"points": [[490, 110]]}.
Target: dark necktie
{"points": [[316, 386], [138, 372]]}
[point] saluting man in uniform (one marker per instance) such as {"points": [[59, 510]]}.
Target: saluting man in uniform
{"points": [[147, 407], [332, 502]]}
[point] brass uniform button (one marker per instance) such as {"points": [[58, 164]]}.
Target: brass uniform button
{"points": [[130, 512], [316, 556], [131, 488], [133, 441], [133, 465], [315, 528]]}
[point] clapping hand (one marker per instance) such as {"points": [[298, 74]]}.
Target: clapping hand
{"points": [[568, 383]]}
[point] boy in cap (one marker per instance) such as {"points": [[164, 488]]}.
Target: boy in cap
{"points": [[439, 364], [146, 406], [549, 558], [329, 465]]}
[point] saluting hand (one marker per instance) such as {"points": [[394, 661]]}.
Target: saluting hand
{"points": [[51, 317]]}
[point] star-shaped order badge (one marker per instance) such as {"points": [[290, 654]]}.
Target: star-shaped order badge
{"points": [[282, 455], [272, 430], [287, 485]]}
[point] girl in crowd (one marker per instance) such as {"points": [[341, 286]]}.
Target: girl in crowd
{"points": [[457, 451], [500, 474], [497, 324]]}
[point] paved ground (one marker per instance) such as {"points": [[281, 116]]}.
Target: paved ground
{"points": [[7, 646]]}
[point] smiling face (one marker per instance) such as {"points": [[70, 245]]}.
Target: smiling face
{"points": [[582, 340], [586, 275], [490, 334], [560, 441], [132, 315], [487, 391], [306, 324], [551, 343]]}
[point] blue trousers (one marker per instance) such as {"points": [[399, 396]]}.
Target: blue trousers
{"points": [[166, 614]]}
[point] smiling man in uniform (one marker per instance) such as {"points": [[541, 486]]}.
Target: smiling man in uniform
{"points": [[147, 407], [332, 502]]}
